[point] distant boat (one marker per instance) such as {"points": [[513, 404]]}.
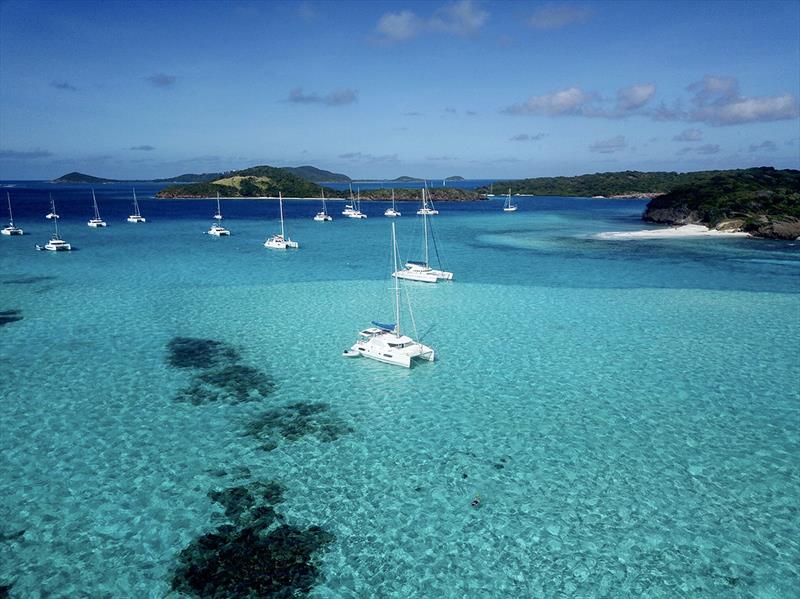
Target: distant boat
{"points": [[427, 206], [96, 221], [52, 214], [509, 205], [323, 216], [11, 229], [393, 210], [385, 342], [216, 229], [349, 208], [56, 244], [356, 209], [280, 241], [420, 270], [136, 217], [491, 191]]}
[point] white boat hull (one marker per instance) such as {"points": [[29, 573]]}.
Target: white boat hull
{"points": [[391, 213], [61, 246], [11, 231], [387, 355], [512, 209], [96, 223], [136, 219], [357, 215], [219, 232], [281, 244], [427, 211], [321, 218]]}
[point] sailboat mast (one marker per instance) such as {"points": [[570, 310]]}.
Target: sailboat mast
{"points": [[396, 283], [135, 203], [393, 206], [55, 218], [10, 214], [219, 212], [324, 209], [280, 200], [94, 202], [425, 226]]}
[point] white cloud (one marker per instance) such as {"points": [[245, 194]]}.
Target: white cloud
{"points": [[635, 96], [609, 146], [462, 18], [526, 137], [556, 16], [570, 101], [689, 135]]}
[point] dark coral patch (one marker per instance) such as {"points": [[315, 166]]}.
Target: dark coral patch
{"points": [[242, 499], [298, 420], [240, 382], [9, 316], [5, 591], [247, 562], [190, 352]]}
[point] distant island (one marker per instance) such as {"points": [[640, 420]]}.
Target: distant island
{"points": [[764, 202], [76, 177]]}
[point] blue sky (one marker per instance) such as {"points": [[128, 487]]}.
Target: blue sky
{"points": [[382, 89]]}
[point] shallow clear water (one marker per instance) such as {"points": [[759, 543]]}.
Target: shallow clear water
{"points": [[628, 411]]}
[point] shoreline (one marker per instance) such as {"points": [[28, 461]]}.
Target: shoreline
{"points": [[680, 232]]}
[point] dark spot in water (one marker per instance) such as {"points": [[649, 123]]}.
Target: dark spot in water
{"points": [[242, 499], [268, 446], [234, 383], [504, 460], [219, 472], [190, 352], [499, 466], [250, 562], [12, 536], [9, 316], [298, 420], [418, 489], [464, 475], [732, 580], [27, 280], [5, 590]]}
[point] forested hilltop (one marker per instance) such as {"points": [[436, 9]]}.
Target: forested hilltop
{"points": [[762, 201], [258, 181]]}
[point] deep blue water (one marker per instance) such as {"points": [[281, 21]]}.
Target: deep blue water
{"points": [[628, 411]]}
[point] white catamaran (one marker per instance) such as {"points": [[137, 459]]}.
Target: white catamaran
{"points": [[393, 210], [11, 229], [136, 217], [385, 342], [280, 241], [323, 216], [96, 221], [56, 244], [427, 205], [216, 229], [420, 270], [509, 206], [355, 212]]}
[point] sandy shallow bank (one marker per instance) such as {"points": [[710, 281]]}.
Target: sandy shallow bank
{"points": [[671, 232]]}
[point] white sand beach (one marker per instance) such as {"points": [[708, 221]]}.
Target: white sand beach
{"points": [[671, 232]]}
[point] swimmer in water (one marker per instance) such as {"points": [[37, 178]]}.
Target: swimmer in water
{"points": [[476, 501]]}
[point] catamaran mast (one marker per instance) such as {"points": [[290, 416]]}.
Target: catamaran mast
{"points": [[280, 199], [96, 211], [425, 225], [55, 218], [10, 214], [135, 203], [396, 283], [219, 212]]}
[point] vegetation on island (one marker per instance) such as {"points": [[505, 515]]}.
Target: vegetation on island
{"points": [[438, 194], [624, 183], [317, 175], [76, 177], [257, 181], [762, 201], [191, 178]]}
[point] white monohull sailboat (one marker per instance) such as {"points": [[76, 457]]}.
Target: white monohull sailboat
{"points": [[280, 241], [509, 206], [385, 342], [427, 205]]}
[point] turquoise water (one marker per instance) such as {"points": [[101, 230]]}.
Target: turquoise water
{"points": [[628, 411]]}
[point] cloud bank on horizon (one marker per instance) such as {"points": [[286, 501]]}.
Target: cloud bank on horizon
{"points": [[471, 87]]}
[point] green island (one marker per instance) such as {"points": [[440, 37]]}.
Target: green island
{"points": [[764, 202]]}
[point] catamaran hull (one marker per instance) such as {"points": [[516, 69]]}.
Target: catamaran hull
{"points": [[136, 219], [222, 233], [392, 357], [8, 231], [322, 219], [95, 224], [424, 276]]}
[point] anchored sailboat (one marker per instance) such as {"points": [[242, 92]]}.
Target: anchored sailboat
{"points": [[56, 244], [136, 217], [420, 270], [11, 229], [427, 205], [217, 230], [393, 210], [323, 216], [355, 212], [280, 241], [509, 206], [96, 221], [385, 342]]}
